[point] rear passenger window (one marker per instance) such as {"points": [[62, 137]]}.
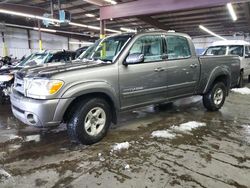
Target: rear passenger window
{"points": [[150, 46], [247, 50], [177, 47]]}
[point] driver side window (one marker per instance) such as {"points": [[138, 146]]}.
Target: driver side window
{"points": [[149, 46]]}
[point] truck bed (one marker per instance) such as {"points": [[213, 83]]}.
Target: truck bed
{"points": [[211, 64]]}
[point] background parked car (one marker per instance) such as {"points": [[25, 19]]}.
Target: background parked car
{"points": [[79, 51], [233, 47], [35, 59]]}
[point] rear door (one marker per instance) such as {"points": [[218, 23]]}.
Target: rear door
{"points": [[183, 67], [145, 82]]}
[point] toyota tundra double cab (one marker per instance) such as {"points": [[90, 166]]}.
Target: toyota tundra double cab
{"points": [[119, 73]]}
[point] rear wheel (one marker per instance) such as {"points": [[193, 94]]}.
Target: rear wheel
{"points": [[241, 80], [216, 96], [248, 78], [90, 121]]}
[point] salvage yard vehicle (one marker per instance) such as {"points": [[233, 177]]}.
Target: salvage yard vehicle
{"points": [[33, 60], [116, 74], [233, 47]]}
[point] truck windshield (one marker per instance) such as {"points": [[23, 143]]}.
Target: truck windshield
{"points": [[225, 50], [34, 59], [105, 49]]}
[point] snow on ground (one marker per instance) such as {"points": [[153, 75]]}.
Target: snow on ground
{"points": [[163, 134], [13, 137], [35, 138], [4, 173], [184, 127], [120, 146], [189, 126], [243, 91]]}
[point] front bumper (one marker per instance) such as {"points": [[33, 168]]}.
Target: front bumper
{"points": [[38, 113]]}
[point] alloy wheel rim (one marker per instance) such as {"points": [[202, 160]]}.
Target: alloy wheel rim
{"points": [[218, 96], [95, 121]]}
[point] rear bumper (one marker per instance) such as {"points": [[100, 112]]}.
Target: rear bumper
{"points": [[38, 113]]}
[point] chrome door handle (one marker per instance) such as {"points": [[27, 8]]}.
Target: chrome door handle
{"points": [[193, 65], [159, 69]]}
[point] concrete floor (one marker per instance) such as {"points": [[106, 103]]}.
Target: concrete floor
{"points": [[215, 156]]}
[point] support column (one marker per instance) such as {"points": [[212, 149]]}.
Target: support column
{"points": [[5, 50], [40, 36], [68, 44], [103, 27], [52, 8], [102, 35], [29, 39]]}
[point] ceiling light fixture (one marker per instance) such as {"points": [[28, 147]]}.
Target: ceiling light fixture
{"points": [[58, 31], [83, 43], [90, 15], [111, 2], [211, 33], [27, 15], [128, 30], [231, 11], [44, 29], [53, 20]]}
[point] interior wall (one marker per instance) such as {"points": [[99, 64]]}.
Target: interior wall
{"points": [[16, 40]]}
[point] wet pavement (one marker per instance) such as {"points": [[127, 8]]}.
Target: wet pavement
{"points": [[214, 155]]}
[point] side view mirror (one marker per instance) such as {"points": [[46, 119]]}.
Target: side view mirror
{"points": [[134, 59], [247, 56]]}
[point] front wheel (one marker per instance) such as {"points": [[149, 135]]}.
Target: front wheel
{"points": [[90, 121], [216, 96], [1, 96]]}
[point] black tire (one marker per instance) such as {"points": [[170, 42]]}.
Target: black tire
{"points": [[241, 80], [164, 106], [76, 124], [209, 100], [248, 78], [1, 97]]}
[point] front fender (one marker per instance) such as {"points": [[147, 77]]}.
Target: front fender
{"points": [[89, 87], [217, 72]]}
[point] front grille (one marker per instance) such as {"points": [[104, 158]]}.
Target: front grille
{"points": [[19, 85]]}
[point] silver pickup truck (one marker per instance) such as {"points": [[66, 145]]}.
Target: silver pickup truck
{"points": [[119, 73]]}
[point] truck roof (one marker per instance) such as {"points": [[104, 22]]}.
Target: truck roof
{"points": [[230, 42], [154, 32]]}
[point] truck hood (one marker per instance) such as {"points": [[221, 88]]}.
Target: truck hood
{"points": [[9, 70], [48, 70]]}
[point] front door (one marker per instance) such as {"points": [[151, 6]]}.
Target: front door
{"points": [[145, 82], [183, 67]]}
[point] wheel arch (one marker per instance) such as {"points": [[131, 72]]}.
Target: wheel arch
{"points": [[220, 74], [88, 95]]}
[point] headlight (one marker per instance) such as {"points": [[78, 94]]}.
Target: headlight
{"points": [[41, 88], [5, 78]]}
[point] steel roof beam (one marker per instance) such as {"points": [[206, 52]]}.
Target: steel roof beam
{"points": [[153, 22], [149, 7]]}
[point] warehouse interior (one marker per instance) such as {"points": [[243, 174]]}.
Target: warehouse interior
{"points": [[188, 139], [213, 15]]}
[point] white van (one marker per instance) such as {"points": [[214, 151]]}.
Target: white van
{"points": [[233, 47]]}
